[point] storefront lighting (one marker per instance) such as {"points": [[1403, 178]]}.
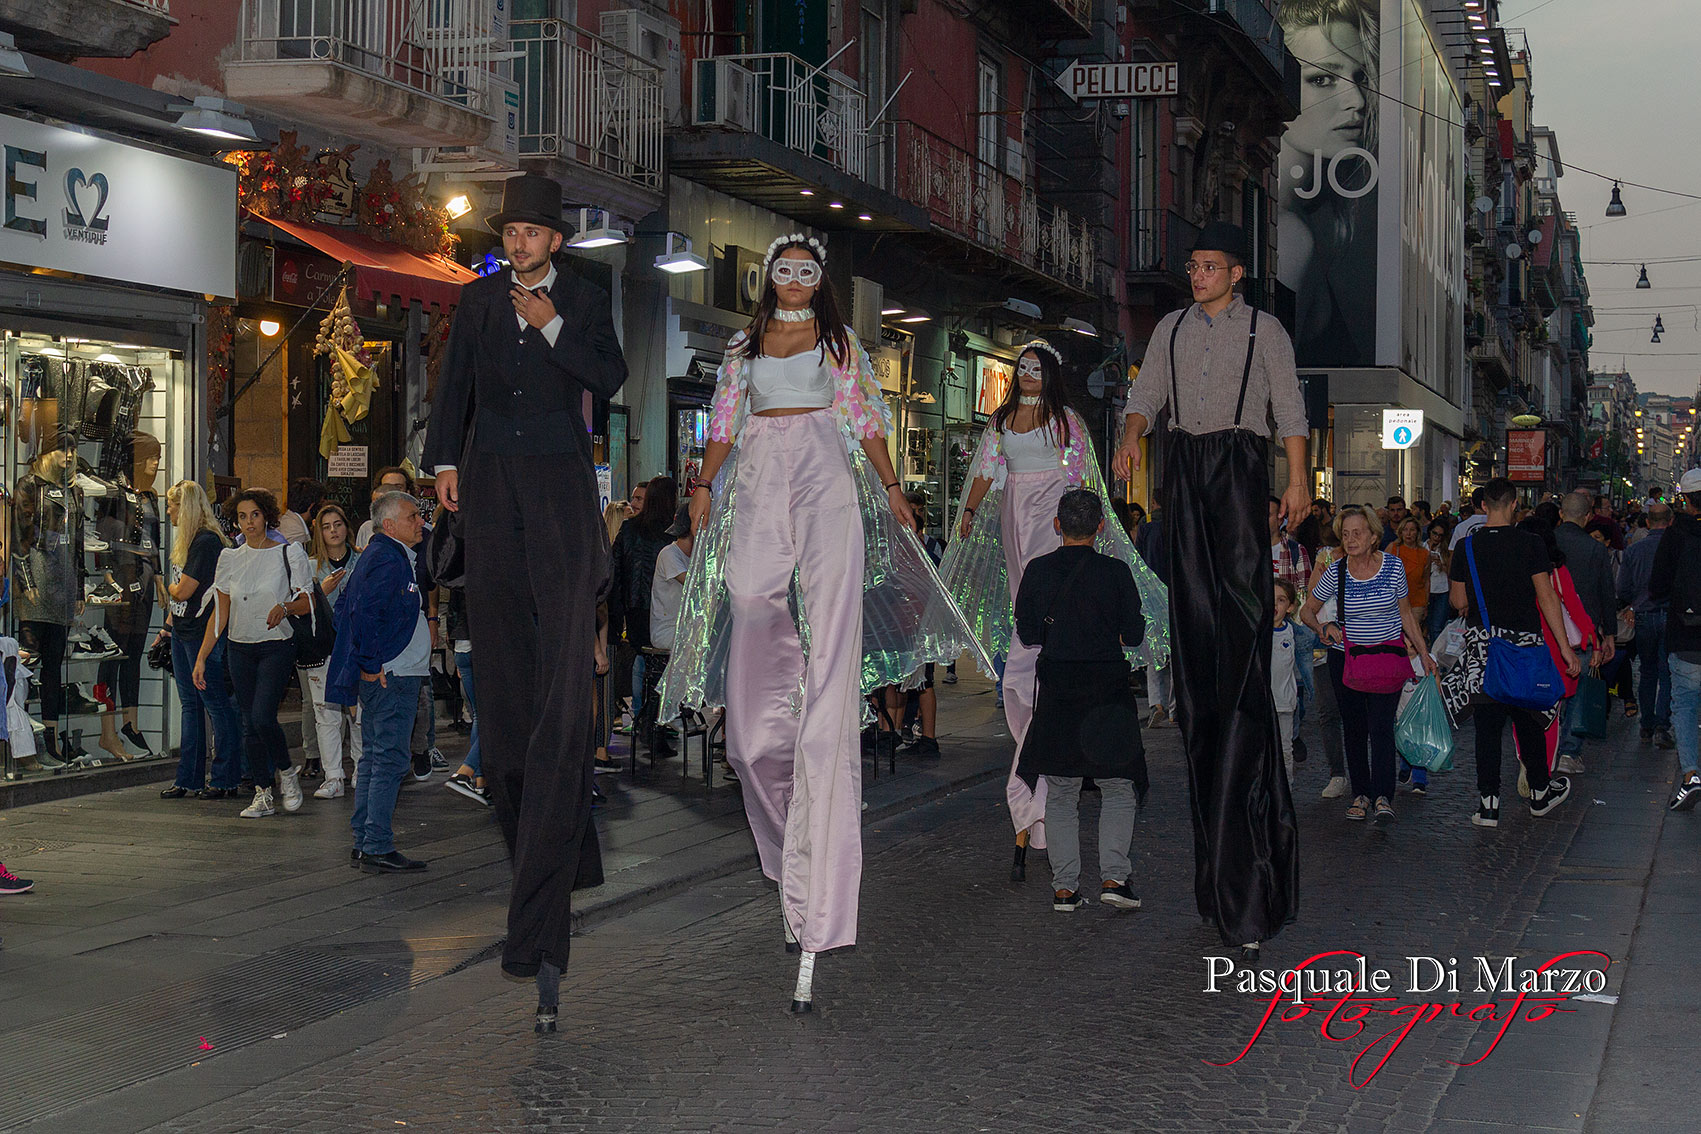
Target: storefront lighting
{"points": [[1615, 208], [12, 61], [600, 235], [679, 259], [1642, 283], [885, 311], [216, 118], [917, 316], [458, 206], [1484, 39], [270, 327], [1081, 327], [51, 352], [806, 192], [865, 216], [835, 204]]}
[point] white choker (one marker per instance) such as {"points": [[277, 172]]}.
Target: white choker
{"points": [[801, 315], [1027, 401]]}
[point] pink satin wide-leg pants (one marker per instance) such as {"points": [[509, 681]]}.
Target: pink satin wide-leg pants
{"points": [[1030, 505], [801, 774]]}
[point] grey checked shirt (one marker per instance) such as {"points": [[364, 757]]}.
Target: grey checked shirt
{"points": [[1209, 357]]}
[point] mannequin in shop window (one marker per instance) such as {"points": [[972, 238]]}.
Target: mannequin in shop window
{"points": [[47, 555], [129, 524]]}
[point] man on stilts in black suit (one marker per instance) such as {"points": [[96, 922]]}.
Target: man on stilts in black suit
{"points": [[1223, 369], [508, 440]]}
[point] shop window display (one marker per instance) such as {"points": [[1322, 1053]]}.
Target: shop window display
{"points": [[86, 435]]}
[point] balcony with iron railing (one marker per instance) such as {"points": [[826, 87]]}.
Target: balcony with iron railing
{"points": [[1052, 19], [399, 72], [1252, 24], [111, 29], [1159, 241], [980, 204], [587, 101], [808, 109]]}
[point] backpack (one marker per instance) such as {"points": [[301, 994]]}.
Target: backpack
{"points": [[1686, 582]]}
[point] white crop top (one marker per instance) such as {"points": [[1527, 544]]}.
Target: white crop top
{"points": [[1033, 451], [798, 381]]}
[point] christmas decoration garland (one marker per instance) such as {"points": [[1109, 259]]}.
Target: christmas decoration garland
{"points": [[352, 377]]}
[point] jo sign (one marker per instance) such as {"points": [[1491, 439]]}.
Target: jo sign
{"points": [[1120, 80], [1401, 428]]}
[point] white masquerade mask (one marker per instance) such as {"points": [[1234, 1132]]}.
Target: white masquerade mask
{"points": [[789, 269], [1029, 368]]}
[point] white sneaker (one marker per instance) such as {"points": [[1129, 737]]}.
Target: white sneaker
{"points": [[289, 781], [1568, 764], [1335, 788], [330, 789], [262, 805]]}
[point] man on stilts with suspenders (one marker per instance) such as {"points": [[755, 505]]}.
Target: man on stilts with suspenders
{"points": [[1223, 369]]}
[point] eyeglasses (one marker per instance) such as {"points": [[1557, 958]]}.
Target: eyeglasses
{"points": [[807, 273], [1193, 267]]}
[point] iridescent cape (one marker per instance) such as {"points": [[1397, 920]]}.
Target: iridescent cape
{"points": [[974, 569], [908, 618]]}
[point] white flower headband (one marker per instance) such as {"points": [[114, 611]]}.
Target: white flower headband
{"points": [[793, 238], [1041, 344]]}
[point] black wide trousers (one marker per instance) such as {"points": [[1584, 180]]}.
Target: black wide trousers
{"points": [[537, 563], [1245, 838]]}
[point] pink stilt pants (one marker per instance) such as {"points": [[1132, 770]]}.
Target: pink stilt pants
{"points": [[802, 773], [1030, 505]]}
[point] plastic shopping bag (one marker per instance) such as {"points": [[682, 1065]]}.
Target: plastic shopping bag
{"points": [[1422, 733], [1449, 644], [1591, 711]]}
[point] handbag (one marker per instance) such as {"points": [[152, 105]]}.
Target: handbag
{"points": [[159, 654], [1590, 720], [1379, 667], [1521, 676], [315, 636]]}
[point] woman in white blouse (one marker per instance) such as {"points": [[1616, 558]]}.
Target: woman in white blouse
{"points": [[257, 585]]}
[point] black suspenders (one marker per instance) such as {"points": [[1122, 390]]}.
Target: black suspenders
{"points": [[1245, 371]]}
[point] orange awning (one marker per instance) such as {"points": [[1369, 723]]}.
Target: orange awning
{"points": [[383, 273]]}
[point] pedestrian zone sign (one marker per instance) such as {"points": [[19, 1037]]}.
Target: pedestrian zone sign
{"points": [[1401, 428]]}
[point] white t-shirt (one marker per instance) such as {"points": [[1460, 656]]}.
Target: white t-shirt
{"points": [[254, 580], [666, 590], [293, 527], [1465, 527], [1284, 683]]}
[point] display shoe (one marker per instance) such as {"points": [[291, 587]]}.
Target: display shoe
{"points": [[262, 806], [104, 593], [330, 789], [803, 995], [103, 696], [133, 736], [80, 701], [289, 785]]}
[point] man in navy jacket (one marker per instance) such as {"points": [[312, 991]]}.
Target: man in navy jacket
{"points": [[382, 654]]}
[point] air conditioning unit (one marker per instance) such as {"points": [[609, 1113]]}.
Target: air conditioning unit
{"points": [[500, 150], [653, 38], [725, 95]]}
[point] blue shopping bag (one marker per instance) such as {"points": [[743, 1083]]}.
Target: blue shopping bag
{"points": [[1422, 734]]}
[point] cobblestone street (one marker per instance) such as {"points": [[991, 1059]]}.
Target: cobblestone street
{"points": [[968, 1004]]}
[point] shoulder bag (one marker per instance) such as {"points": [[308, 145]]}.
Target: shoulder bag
{"points": [[1377, 667], [315, 636], [1521, 676]]}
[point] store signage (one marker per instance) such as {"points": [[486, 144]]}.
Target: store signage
{"points": [[348, 461], [300, 277], [1401, 428], [1526, 455], [74, 202], [1120, 80], [992, 379], [888, 368]]}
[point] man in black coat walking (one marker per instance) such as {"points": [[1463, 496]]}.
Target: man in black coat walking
{"points": [[1082, 609], [508, 439]]}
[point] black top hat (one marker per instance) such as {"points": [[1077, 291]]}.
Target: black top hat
{"points": [[1221, 236], [529, 198]]}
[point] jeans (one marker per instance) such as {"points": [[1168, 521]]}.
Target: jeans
{"points": [[386, 719], [1654, 687], [424, 732], [1491, 718], [1367, 734], [463, 666], [637, 687], [215, 700], [1160, 690], [1685, 699], [1570, 744], [1440, 613], [1117, 810], [1304, 650], [261, 671]]}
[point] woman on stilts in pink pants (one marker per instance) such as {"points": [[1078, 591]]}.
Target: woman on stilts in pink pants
{"points": [[1033, 450], [807, 582]]}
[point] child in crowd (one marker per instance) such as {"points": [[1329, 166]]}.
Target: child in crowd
{"points": [[1284, 680]]}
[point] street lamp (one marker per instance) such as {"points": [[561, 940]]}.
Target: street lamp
{"points": [[1615, 207], [1642, 283]]}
